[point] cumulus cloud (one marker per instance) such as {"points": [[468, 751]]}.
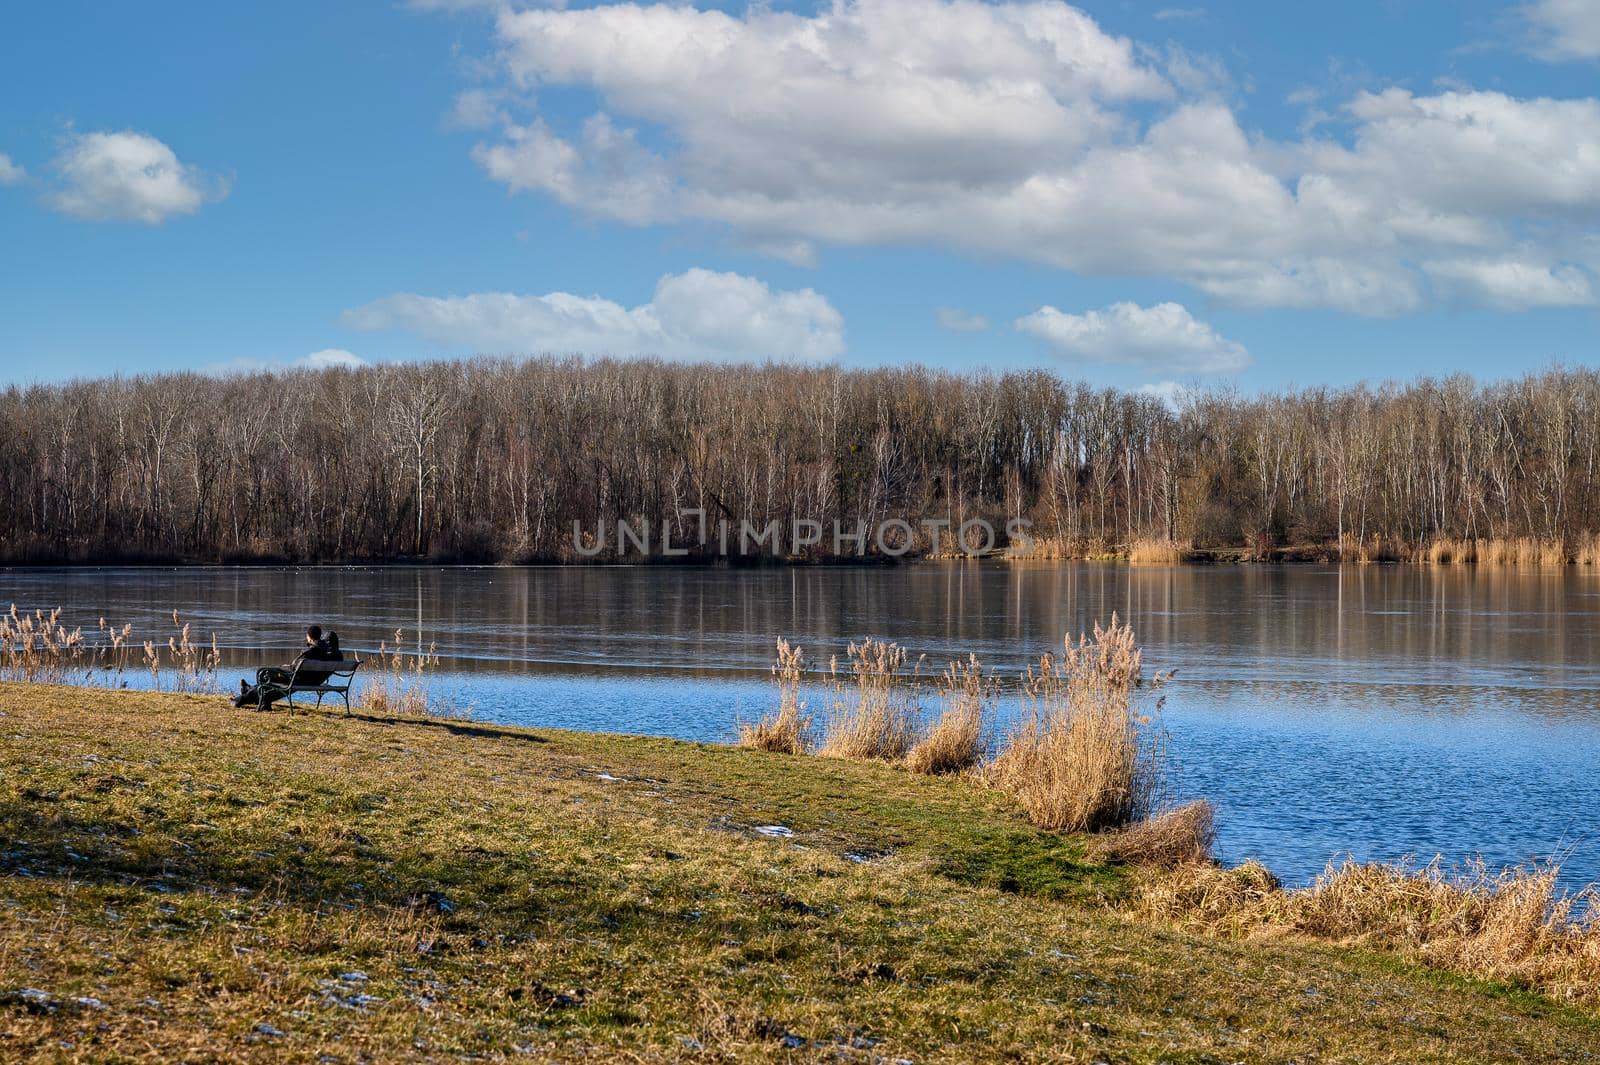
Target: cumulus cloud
{"points": [[1563, 30], [1164, 338], [328, 358], [960, 321], [698, 314], [1024, 130], [1510, 284], [10, 173], [1172, 394], [127, 177]]}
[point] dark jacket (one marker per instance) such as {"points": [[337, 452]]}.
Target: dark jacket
{"points": [[324, 650]]}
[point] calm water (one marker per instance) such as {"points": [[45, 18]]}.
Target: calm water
{"points": [[1375, 711]]}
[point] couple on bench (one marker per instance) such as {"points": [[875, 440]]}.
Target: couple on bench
{"points": [[310, 671]]}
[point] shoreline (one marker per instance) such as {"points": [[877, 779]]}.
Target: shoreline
{"points": [[1199, 557], [266, 884]]}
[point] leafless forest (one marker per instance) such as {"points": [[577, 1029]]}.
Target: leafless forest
{"points": [[496, 459]]}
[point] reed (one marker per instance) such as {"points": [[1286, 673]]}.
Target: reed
{"points": [[1158, 552], [1509, 551], [956, 742], [1512, 925], [1084, 758], [1372, 549], [38, 648], [1169, 840], [875, 710], [194, 666], [398, 681], [788, 730]]}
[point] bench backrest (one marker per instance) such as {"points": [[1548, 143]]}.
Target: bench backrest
{"points": [[345, 669]]}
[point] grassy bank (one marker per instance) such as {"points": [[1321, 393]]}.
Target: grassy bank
{"points": [[182, 880]]}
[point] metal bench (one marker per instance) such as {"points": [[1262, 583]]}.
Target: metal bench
{"points": [[337, 672]]}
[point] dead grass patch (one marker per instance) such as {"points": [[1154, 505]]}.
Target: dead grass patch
{"points": [[1170, 839], [1513, 925]]}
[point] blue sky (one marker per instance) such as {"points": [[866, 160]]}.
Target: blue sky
{"points": [[1256, 193]]}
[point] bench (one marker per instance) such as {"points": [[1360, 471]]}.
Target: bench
{"points": [[340, 676]]}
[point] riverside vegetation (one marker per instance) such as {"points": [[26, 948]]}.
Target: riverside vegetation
{"points": [[187, 881], [496, 459]]}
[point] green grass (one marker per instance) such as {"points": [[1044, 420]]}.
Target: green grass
{"points": [[229, 885]]}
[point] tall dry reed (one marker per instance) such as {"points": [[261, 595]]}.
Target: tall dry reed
{"points": [[1158, 552], [1084, 758], [38, 648], [398, 681], [957, 740], [1508, 551], [1513, 925], [875, 709], [788, 730], [193, 666]]}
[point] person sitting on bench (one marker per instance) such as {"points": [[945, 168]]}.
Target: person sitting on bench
{"points": [[300, 673]]}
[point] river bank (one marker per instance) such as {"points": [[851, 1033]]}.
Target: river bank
{"points": [[188, 880]]}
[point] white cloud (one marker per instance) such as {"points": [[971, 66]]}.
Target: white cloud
{"points": [[698, 314], [328, 358], [1164, 338], [127, 177], [1023, 130], [1511, 284], [1563, 30], [1173, 395], [10, 173], [958, 321]]}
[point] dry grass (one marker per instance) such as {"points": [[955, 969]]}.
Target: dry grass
{"points": [[1508, 551], [1158, 552], [38, 648], [1513, 925], [1373, 549], [1084, 759], [875, 710], [397, 682], [1174, 838], [267, 887], [788, 730], [957, 741], [194, 666]]}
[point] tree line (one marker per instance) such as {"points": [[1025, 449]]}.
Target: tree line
{"points": [[497, 459]]}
